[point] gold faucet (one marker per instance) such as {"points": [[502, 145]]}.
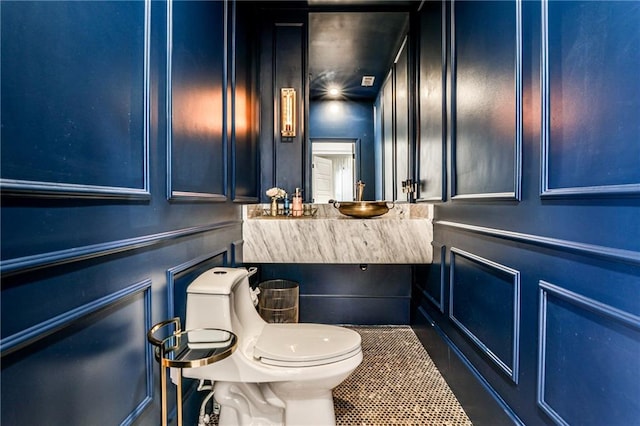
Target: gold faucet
{"points": [[359, 190]]}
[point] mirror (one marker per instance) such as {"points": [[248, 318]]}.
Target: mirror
{"points": [[350, 57]]}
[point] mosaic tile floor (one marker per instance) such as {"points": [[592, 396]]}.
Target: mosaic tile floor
{"points": [[396, 384]]}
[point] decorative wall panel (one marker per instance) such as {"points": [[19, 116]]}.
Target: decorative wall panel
{"points": [[60, 356], [401, 119], [243, 106], [378, 149], [588, 350], [237, 250], [486, 99], [432, 106], [433, 287], [388, 140], [197, 99], [75, 120], [289, 71], [484, 301], [76, 254], [590, 98], [609, 253]]}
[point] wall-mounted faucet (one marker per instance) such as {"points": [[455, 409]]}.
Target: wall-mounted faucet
{"points": [[359, 190], [409, 187]]}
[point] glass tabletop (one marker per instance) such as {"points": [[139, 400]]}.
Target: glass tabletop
{"points": [[196, 348]]}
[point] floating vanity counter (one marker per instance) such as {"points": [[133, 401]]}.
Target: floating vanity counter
{"points": [[403, 235]]}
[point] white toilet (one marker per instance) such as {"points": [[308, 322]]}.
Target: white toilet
{"points": [[280, 374]]}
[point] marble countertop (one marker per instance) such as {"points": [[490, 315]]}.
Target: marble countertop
{"points": [[328, 211], [403, 235]]}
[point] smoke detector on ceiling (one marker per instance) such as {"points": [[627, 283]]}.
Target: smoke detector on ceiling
{"points": [[367, 80]]}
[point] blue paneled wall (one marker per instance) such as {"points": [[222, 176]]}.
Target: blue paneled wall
{"points": [[536, 280], [120, 165], [130, 128], [348, 294]]}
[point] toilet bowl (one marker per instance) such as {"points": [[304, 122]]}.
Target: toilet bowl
{"points": [[280, 374]]}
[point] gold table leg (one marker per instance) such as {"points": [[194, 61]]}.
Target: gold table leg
{"points": [[163, 394], [179, 396]]}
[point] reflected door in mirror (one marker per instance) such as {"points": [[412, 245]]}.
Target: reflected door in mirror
{"points": [[322, 179]]}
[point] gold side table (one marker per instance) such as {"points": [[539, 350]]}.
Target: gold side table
{"points": [[187, 349]]}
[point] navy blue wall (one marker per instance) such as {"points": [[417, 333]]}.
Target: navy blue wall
{"points": [[127, 131], [348, 120], [536, 280], [348, 294], [123, 150]]}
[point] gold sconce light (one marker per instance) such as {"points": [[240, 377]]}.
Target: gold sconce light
{"points": [[288, 112]]}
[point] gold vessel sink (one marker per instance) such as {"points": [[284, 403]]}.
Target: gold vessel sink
{"points": [[363, 209]]}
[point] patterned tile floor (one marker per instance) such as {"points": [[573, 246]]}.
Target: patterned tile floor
{"points": [[396, 384]]}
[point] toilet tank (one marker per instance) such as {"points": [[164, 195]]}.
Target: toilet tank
{"points": [[209, 299]]}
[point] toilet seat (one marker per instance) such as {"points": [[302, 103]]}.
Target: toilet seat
{"points": [[305, 345]]}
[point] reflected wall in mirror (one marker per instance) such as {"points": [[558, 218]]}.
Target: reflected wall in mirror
{"points": [[346, 48]]}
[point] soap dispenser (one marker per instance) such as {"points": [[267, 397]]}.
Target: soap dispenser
{"points": [[287, 210], [296, 203]]}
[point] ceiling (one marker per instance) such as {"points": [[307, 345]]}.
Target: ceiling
{"points": [[347, 45], [349, 39]]}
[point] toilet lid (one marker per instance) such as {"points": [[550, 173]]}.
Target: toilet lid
{"points": [[305, 344]]}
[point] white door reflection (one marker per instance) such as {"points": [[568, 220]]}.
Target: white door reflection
{"points": [[334, 171]]}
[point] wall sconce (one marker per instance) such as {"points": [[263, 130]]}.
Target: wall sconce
{"points": [[288, 112]]}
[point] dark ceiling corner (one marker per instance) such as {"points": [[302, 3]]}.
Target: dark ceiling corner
{"points": [[346, 46], [348, 40]]}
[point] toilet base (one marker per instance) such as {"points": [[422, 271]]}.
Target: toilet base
{"points": [[248, 404], [256, 404], [312, 411]]}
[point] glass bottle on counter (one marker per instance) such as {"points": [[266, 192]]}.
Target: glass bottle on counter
{"points": [[296, 203], [287, 211]]}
